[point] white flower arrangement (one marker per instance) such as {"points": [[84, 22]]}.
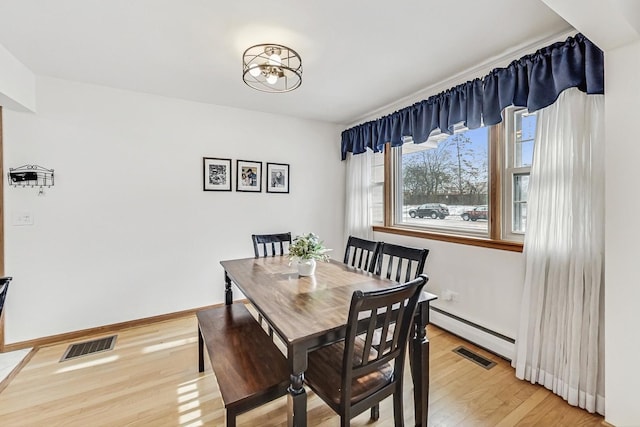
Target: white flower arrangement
{"points": [[308, 246]]}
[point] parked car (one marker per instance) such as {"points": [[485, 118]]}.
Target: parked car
{"points": [[479, 212], [431, 210]]}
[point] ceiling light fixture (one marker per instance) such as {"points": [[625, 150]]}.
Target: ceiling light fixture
{"points": [[272, 68]]}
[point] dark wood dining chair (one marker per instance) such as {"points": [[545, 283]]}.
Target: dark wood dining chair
{"points": [[400, 263], [361, 253], [270, 244], [4, 288], [352, 375]]}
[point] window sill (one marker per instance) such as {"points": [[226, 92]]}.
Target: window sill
{"points": [[463, 240]]}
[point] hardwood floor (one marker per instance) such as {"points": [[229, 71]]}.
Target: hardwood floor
{"points": [[151, 379]]}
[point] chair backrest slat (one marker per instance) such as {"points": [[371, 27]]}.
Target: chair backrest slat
{"points": [[385, 330], [368, 343], [279, 244], [399, 269]]}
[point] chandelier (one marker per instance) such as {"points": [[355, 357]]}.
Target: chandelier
{"points": [[272, 68]]}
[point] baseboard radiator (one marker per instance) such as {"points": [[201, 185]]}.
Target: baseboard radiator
{"points": [[485, 338]]}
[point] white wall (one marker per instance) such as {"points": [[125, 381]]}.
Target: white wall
{"points": [[489, 282], [127, 231], [17, 83], [622, 290], [607, 23]]}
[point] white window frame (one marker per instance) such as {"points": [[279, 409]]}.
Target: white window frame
{"points": [[510, 171], [377, 161]]}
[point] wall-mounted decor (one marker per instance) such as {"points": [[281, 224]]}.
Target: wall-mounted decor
{"points": [[249, 176], [31, 176], [217, 174], [277, 178]]}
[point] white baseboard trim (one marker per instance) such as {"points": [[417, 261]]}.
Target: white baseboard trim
{"points": [[482, 337]]}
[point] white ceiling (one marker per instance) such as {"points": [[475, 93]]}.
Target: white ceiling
{"points": [[357, 55]]}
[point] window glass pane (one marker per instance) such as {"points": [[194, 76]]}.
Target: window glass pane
{"points": [[525, 132], [520, 195], [377, 188], [445, 182]]}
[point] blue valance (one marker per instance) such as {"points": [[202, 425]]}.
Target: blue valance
{"points": [[533, 81]]}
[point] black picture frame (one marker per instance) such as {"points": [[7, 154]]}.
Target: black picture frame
{"points": [[216, 174], [277, 178], [249, 176]]}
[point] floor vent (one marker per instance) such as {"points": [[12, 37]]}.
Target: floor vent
{"points": [[475, 357], [89, 347]]}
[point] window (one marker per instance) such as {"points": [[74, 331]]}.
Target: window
{"points": [[377, 188], [441, 180], [448, 186], [519, 139]]}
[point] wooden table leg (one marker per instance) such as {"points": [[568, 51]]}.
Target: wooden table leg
{"points": [[419, 347], [228, 293], [297, 402]]}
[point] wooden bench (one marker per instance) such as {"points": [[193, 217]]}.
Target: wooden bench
{"points": [[249, 367]]}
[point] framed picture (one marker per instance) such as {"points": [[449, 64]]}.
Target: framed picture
{"points": [[277, 178], [216, 174], [249, 176]]}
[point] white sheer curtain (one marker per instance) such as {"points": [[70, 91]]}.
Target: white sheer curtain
{"points": [[560, 339], [358, 203]]}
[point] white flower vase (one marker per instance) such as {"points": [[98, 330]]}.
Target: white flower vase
{"points": [[306, 267]]}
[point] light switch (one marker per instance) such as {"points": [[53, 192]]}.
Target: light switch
{"points": [[22, 218]]}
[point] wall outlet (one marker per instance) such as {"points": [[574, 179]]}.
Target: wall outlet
{"points": [[22, 218], [449, 295]]}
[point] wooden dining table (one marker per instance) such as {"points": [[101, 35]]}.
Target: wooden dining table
{"points": [[309, 312]]}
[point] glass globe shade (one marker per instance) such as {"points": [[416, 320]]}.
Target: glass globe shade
{"points": [[275, 59], [254, 70]]}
